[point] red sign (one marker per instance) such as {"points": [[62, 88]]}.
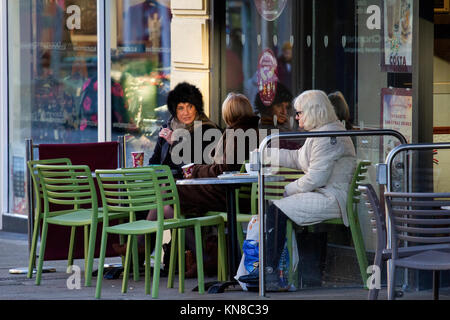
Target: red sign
{"points": [[270, 9], [267, 77]]}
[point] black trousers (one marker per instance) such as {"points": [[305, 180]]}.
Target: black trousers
{"points": [[275, 236]]}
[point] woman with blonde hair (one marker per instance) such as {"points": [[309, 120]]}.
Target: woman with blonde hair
{"points": [[242, 124], [230, 153], [321, 193]]}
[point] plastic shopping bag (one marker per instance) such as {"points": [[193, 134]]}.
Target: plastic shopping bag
{"points": [[250, 258], [252, 244]]}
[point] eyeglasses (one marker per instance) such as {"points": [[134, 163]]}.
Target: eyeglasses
{"points": [[298, 113]]}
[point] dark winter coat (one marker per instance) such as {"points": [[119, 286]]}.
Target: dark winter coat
{"points": [[162, 151], [196, 200]]}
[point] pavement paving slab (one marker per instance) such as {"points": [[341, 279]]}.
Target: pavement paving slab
{"points": [[54, 285]]}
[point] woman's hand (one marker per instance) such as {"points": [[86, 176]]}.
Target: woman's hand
{"points": [[166, 134]]}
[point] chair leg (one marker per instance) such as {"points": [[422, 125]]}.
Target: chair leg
{"points": [[147, 263], [181, 259], [101, 263], [41, 253], [391, 282], [173, 258], [157, 266], [126, 267], [90, 257], [436, 283], [358, 242], [199, 256], [122, 241], [135, 258], [32, 258], [86, 244], [221, 247], [71, 248]]}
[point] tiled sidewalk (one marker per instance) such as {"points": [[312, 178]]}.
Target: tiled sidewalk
{"points": [[13, 254]]}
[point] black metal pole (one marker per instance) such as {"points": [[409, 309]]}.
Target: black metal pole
{"points": [[30, 193]]}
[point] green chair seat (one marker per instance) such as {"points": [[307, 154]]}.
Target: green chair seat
{"points": [[146, 226], [80, 217], [75, 218]]}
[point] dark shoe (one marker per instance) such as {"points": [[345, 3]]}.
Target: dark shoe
{"points": [[272, 281], [252, 278]]}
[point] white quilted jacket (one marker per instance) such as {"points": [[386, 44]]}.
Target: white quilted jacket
{"points": [[321, 193]]}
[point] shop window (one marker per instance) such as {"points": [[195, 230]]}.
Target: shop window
{"points": [[140, 72]]}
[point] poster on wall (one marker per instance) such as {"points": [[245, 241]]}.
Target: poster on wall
{"points": [[397, 35], [396, 114]]}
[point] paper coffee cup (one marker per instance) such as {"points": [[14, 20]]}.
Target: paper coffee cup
{"points": [[187, 170], [138, 159]]}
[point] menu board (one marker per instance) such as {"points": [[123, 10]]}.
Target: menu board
{"points": [[396, 114]]}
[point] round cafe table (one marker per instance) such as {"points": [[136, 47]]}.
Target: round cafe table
{"points": [[231, 183]]}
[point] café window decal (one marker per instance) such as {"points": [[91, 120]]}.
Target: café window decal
{"points": [[267, 77], [397, 33], [270, 10]]}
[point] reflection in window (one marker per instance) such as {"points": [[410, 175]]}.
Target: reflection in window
{"points": [[140, 72], [50, 61], [259, 58]]}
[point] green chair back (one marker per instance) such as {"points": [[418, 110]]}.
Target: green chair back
{"points": [[353, 198], [35, 178], [67, 185], [168, 188], [128, 191]]}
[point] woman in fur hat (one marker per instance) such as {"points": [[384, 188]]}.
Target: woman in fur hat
{"points": [[185, 104]]}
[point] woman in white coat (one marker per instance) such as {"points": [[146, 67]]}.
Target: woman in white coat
{"points": [[321, 193]]}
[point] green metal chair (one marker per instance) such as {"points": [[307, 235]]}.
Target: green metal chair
{"points": [[38, 214], [274, 190], [71, 186], [143, 189]]}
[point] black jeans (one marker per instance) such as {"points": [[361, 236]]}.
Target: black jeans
{"points": [[275, 235]]}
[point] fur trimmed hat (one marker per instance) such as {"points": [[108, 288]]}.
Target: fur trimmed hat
{"points": [[184, 92]]}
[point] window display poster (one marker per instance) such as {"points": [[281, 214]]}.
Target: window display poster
{"points": [[397, 35], [267, 76], [19, 185], [396, 114]]}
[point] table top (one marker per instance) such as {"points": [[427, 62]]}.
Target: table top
{"points": [[233, 179]]}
